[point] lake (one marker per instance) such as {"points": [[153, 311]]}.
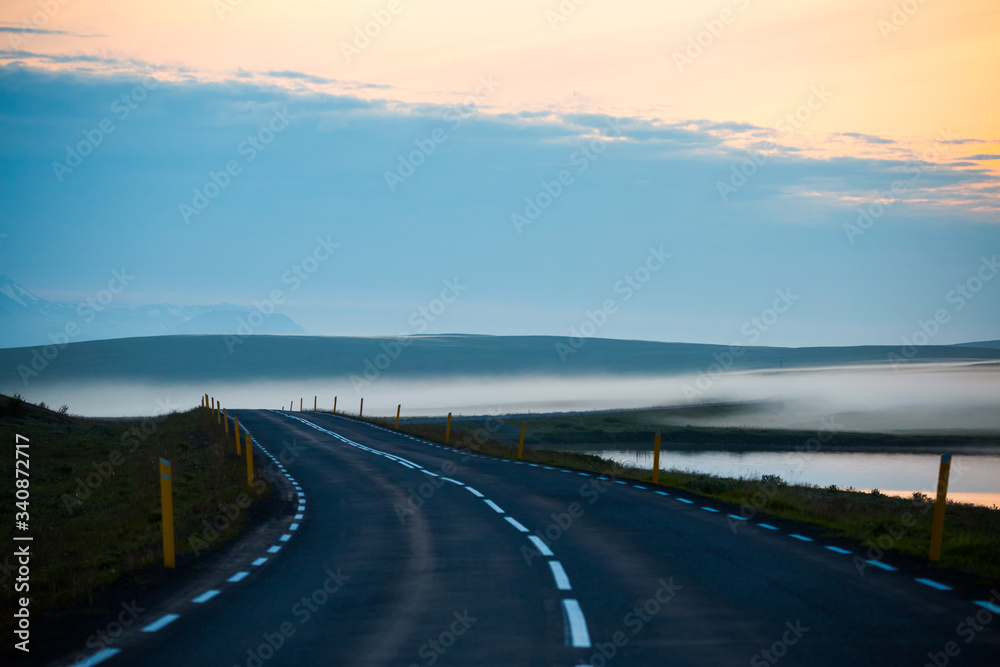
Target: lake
{"points": [[973, 478]]}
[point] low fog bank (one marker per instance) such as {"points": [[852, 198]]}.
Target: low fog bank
{"points": [[929, 397]]}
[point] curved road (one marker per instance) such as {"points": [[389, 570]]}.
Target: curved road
{"points": [[408, 553]]}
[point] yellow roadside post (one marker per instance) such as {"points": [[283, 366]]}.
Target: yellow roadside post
{"points": [[167, 513], [520, 443], [315, 398], [300, 404], [206, 402], [249, 445], [236, 429], [218, 414], [447, 430], [937, 526], [656, 459], [397, 415], [225, 420], [361, 411], [334, 405], [291, 405]]}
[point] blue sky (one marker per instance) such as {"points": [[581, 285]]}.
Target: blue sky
{"points": [[633, 185]]}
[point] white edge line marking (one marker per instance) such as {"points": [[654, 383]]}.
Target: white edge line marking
{"points": [[881, 565], [496, 508], [710, 509], [540, 544], [275, 549], [205, 597], [239, 576], [579, 636], [737, 517], [662, 493], [768, 526], [164, 620], [934, 584], [802, 538], [453, 481], [517, 524], [686, 501], [474, 492], [985, 604], [259, 562], [838, 550], [293, 526], [98, 657], [285, 537], [559, 574]]}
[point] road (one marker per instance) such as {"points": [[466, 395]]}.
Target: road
{"points": [[409, 553]]}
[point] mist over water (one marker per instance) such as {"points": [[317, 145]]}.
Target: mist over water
{"points": [[929, 397]]}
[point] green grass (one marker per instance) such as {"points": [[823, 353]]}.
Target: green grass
{"points": [[95, 495], [878, 522]]}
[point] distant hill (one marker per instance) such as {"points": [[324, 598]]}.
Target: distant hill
{"points": [[213, 357], [27, 319], [994, 344]]}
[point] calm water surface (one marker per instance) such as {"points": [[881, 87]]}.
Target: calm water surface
{"points": [[972, 479]]}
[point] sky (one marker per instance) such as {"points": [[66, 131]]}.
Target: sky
{"points": [[771, 173]]}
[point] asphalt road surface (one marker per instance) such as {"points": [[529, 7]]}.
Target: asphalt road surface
{"points": [[396, 551]]}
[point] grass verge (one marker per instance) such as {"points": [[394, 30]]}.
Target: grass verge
{"points": [[95, 498]]}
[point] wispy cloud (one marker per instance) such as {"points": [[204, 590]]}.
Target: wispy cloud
{"points": [[866, 138], [9, 28]]}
